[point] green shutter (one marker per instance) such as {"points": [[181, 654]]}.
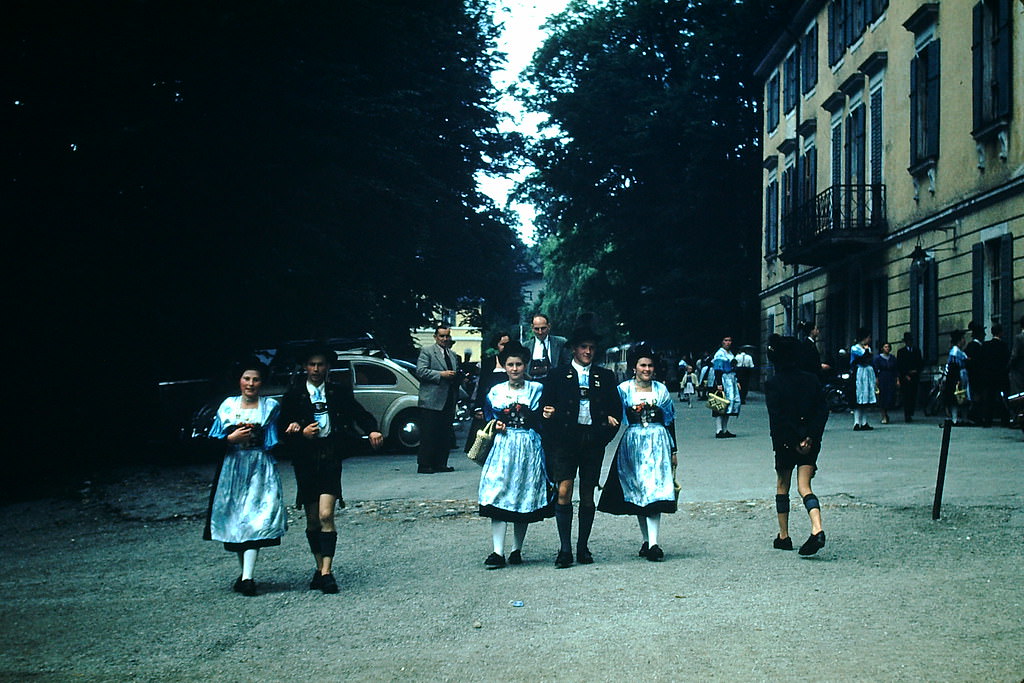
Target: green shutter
{"points": [[1004, 61], [979, 86], [978, 282], [1005, 303], [932, 106]]}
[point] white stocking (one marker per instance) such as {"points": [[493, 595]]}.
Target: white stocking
{"points": [[498, 535], [725, 423], [718, 424], [519, 534], [642, 521], [249, 562], [652, 528]]}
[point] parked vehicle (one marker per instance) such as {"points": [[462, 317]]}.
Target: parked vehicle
{"points": [[385, 387], [1015, 402], [838, 383]]}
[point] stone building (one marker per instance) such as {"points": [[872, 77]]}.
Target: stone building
{"points": [[894, 170]]}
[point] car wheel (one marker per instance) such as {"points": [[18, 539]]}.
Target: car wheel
{"points": [[836, 400], [405, 430]]}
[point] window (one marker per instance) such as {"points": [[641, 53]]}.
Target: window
{"points": [[771, 106], [837, 150], [876, 136], [809, 59], [788, 200], [924, 107], [771, 216], [847, 22], [993, 64], [374, 375], [992, 280], [808, 172], [789, 93]]}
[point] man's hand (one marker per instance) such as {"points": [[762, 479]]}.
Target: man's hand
{"points": [[612, 422], [548, 411], [311, 431], [376, 440]]}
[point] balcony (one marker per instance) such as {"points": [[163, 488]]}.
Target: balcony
{"points": [[839, 222]]}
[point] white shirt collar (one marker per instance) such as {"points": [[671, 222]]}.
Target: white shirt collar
{"points": [[580, 369]]}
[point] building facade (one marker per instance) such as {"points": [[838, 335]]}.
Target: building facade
{"points": [[894, 170]]}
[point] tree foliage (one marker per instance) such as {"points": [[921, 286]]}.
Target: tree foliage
{"points": [[647, 182], [188, 179]]}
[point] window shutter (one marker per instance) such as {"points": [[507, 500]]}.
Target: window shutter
{"points": [[915, 301], [837, 156], [915, 105], [812, 174], [978, 281], [1005, 303], [876, 137], [978, 55], [1004, 61], [931, 311], [932, 106]]}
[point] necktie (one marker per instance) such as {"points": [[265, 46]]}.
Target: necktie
{"points": [[447, 359]]}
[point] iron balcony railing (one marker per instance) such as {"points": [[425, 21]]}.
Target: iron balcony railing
{"points": [[840, 214]]}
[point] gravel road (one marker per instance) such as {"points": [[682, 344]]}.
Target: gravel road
{"points": [[118, 586]]}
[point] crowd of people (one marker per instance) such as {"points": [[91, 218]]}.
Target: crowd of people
{"points": [[554, 411]]}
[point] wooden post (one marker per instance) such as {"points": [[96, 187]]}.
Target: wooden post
{"points": [[947, 426]]}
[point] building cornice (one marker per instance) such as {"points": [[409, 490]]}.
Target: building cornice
{"points": [[834, 102], [874, 63], [794, 31], [926, 15]]}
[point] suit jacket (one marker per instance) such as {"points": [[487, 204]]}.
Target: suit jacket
{"points": [[557, 351], [808, 358], [562, 392], [434, 389], [908, 361], [345, 412], [796, 408]]}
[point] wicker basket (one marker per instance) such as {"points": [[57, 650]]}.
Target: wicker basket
{"points": [[718, 403]]}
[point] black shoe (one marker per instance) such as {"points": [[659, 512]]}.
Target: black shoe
{"points": [[866, 428], [424, 470], [515, 557], [247, 587], [238, 584], [328, 584], [813, 544], [720, 435], [643, 550], [446, 469], [583, 556], [728, 435], [563, 559], [856, 428], [782, 543], [315, 582], [495, 561], [655, 553]]}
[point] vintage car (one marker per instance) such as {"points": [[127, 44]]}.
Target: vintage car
{"points": [[385, 387]]}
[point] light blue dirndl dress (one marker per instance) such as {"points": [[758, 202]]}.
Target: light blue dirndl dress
{"points": [[641, 481], [725, 362], [247, 506], [865, 380], [514, 484]]}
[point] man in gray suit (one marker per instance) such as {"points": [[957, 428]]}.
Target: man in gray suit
{"points": [[546, 350], [437, 370]]}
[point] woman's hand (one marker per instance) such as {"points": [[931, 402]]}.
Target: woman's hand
{"points": [[293, 428], [675, 459], [499, 426], [376, 440], [612, 422], [805, 446], [311, 430], [240, 435], [548, 411]]}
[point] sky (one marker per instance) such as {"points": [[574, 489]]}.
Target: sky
{"points": [[520, 38]]}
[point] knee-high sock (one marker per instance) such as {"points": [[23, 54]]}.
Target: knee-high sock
{"points": [[642, 521], [586, 524], [328, 543], [498, 535], [519, 534], [563, 518], [718, 424], [653, 521], [249, 562], [725, 423], [858, 416]]}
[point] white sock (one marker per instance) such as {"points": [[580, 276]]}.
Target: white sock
{"points": [[519, 534], [249, 562], [725, 423], [857, 416], [718, 424], [956, 414], [652, 528], [498, 535], [642, 521]]}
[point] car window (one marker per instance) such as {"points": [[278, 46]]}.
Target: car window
{"points": [[376, 375]]}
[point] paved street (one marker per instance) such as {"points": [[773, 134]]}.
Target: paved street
{"points": [[118, 586]]}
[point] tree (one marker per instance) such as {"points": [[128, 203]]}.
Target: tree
{"points": [[647, 184]]}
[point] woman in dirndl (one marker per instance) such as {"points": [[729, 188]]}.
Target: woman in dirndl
{"points": [[247, 509], [887, 374], [865, 384], [514, 485], [724, 366], [956, 378], [641, 480]]}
